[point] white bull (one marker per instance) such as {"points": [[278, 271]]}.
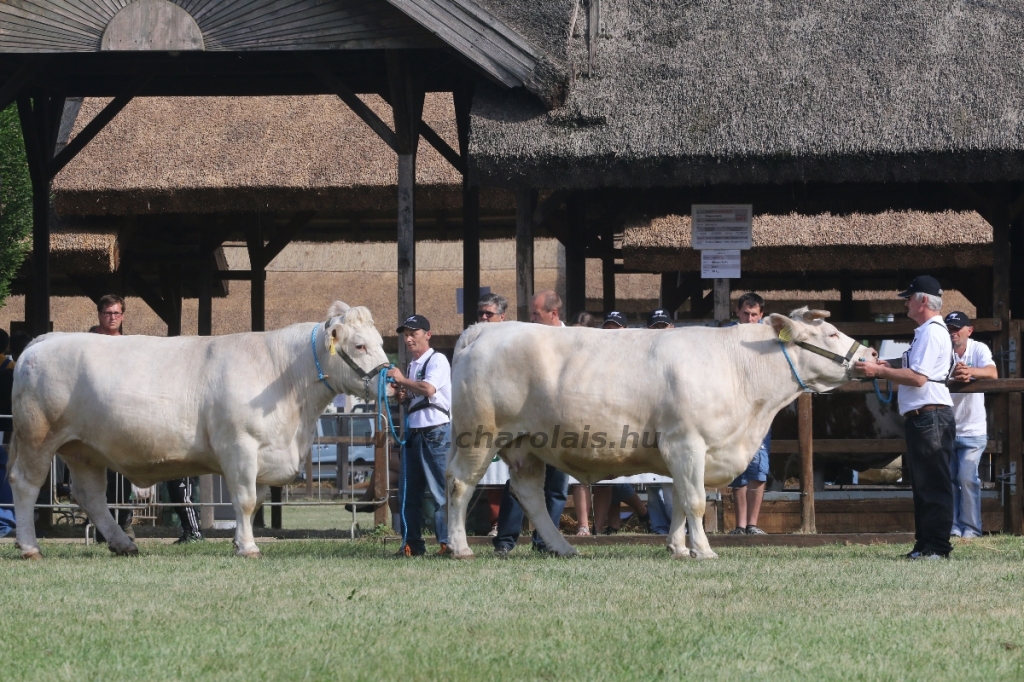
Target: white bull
{"points": [[690, 403], [243, 406]]}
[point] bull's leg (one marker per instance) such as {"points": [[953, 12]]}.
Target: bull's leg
{"points": [[528, 487], [688, 497], [240, 478], [27, 473], [89, 489], [465, 469]]}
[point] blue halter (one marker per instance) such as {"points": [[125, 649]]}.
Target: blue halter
{"points": [[796, 375], [319, 371]]}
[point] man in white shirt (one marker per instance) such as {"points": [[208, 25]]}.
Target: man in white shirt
{"points": [[973, 361], [428, 389], [927, 406]]}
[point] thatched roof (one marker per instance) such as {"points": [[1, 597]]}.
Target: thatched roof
{"points": [[824, 242], [220, 154], [89, 252], [692, 93]]}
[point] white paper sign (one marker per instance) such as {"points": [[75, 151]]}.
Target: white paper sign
{"points": [[721, 226], [720, 264]]}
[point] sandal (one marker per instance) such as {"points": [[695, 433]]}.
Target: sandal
{"points": [[583, 531]]}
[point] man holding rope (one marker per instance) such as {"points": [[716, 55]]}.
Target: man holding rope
{"points": [[428, 389], [926, 404]]}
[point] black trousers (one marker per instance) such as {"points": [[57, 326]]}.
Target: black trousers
{"points": [[180, 492], [120, 494], [930, 445]]}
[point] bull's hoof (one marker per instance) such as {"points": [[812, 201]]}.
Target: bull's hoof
{"points": [[32, 555], [468, 556], [571, 554], [710, 554], [251, 554], [130, 550]]}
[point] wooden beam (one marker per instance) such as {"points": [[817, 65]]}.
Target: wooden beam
{"points": [[286, 234], [999, 216], [11, 89], [358, 106], [86, 135], [806, 440], [905, 328], [380, 477], [526, 202], [839, 446], [170, 281], [442, 147], [463, 100], [721, 291], [148, 294], [979, 386], [258, 291], [575, 256]]}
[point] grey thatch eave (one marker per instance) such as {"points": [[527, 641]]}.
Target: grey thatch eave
{"points": [[728, 92]]}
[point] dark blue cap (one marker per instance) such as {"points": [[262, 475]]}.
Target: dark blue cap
{"points": [[922, 284], [659, 316], [414, 322], [958, 320], [616, 318]]}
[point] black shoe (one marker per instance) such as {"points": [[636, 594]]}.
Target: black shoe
{"points": [[502, 552], [928, 554], [188, 538], [754, 530], [737, 531]]}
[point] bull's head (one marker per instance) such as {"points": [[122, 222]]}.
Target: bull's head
{"points": [[352, 350], [822, 356]]}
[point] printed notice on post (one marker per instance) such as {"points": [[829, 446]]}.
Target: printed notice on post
{"points": [[720, 264], [721, 226]]}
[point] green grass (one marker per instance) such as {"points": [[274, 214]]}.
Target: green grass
{"points": [[343, 610]]}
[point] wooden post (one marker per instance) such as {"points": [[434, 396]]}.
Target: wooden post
{"points": [[608, 270], [206, 514], [470, 252], [257, 269], [380, 477], [846, 308], [805, 436], [1013, 521], [526, 203], [205, 316], [721, 292], [575, 257]]}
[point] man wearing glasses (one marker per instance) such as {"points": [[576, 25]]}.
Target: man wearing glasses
{"points": [[491, 308], [111, 309]]}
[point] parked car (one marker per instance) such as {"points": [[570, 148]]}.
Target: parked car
{"points": [[356, 425]]}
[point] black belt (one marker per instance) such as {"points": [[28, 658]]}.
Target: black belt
{"points": [[924, 408]]}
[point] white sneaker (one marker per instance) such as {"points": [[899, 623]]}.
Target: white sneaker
{"points": [[493, 532]]}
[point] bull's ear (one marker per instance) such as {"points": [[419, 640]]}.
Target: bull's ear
{"points": [[812, 315], [336, 337], [784, 327], [337, 308]]}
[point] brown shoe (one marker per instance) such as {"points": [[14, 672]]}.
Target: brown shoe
{"points": [[444, 550], [407, 551]]}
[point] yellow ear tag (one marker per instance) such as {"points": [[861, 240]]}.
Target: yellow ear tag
{"points": [[332, 347], [785, 335]]}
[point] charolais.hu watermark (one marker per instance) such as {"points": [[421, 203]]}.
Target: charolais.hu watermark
{"points": [[558, 438]]}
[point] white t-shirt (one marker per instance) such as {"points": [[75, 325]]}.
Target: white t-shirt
{"points": [[439, 375], [930, 354], [969, 408]]}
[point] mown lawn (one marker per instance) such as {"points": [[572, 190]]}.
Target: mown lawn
{"points": [[342, 610]]}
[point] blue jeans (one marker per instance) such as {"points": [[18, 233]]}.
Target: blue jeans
{"points": [[660, 509], [930, 437], [422, 470], [510, 515], [757, 470], [6, 497], [963, 470]]}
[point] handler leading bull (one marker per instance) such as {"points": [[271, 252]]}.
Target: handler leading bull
{"points": [[243, 406], [691, 404]]}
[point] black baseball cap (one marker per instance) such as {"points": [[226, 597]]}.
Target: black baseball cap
{"points": [[659, 316], [922, 284], [958, 320], [615, 317], [414, 322]]}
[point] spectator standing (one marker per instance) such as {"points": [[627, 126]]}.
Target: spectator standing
{"points": [[973, 361], [748, 488], [580, 492], [609, 497], [491, 308], [659, 498], [428, 389], [7, 519], [545, 308], [926, 404]]}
